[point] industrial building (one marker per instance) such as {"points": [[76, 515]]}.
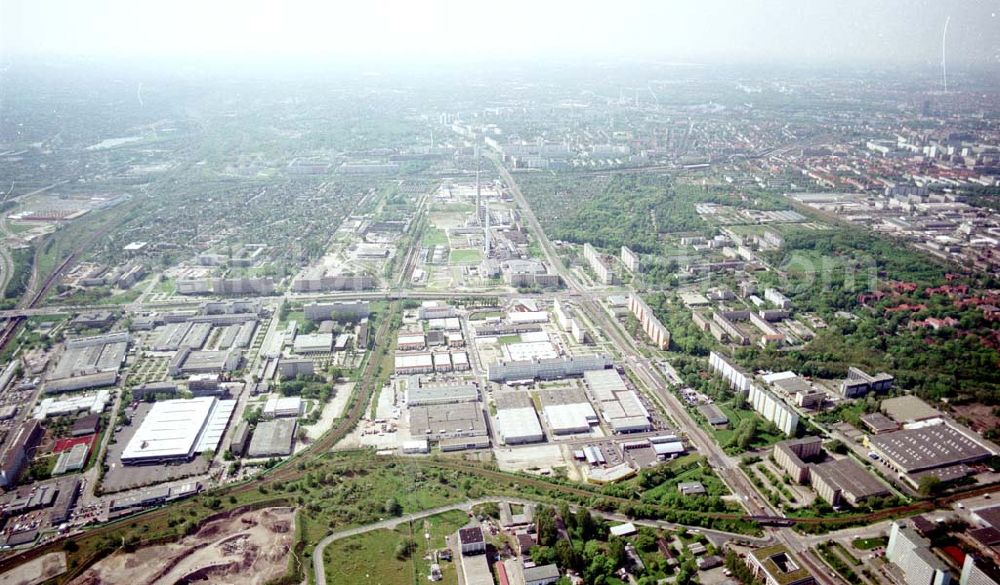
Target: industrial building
{"points": [[516, 419], [188, 361], [94, 403], [859, 384], [289, 368], [313, 343], [878, 423], [72, 459], [541, 574], [88, 362], [282, 407], [775, 565], [567, 411], [713, 415], [273, 438], [437, 395], [621, 408], [791, 456], [434, 310], [462, 420], [413, 363], [845, 480], [659, 334], [908, 409], [411, 342], [205, 384], [178, 430], [550, 369], [528, 273], [937, 450], [240, 439], [912, 554]]}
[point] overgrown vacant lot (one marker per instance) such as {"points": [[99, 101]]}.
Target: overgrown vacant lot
{"points": [[391, 557]]}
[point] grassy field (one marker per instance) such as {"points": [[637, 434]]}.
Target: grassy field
{"points": [[761, 437], [166, 286], [434, 237], [369, 558], [467, 256], [869, 543], [350, 560], [452, 208]]}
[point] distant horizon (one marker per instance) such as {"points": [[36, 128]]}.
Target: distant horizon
{"points": [[893, 33]]}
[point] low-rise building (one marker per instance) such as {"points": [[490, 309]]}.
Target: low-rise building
{"points": [[775, 565], [845, 481]]}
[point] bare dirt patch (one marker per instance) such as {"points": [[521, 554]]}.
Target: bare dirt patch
{"points": [[246, 549], [37, 571]]}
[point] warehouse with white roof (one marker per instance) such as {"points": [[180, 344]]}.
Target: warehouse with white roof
{"points": [[516, 419], [178, 430], [567, 411]]}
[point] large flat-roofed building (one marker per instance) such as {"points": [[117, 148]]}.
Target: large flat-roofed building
{"points": [[908, 409], [879, 423], [458, 420], [338, 310], [431, 395], [273, 438], [775, 565], [414, 363], [528, 273], [791, 456], [845, 481], [188, 361], [912, 554], [567, 411], [289, 368], [313, 343], [550, 369], [859, 383], [603, 384], [282, 407], [178, 430], [938, 450], [516, 419], [987, 516], [713, 415], [88, 362]]}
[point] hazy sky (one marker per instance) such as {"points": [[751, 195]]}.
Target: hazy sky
{"points": [[786, 31]]}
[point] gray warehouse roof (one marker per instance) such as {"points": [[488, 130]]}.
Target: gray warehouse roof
{"points": [[850, 478], [273, 438], [928, 447]]}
